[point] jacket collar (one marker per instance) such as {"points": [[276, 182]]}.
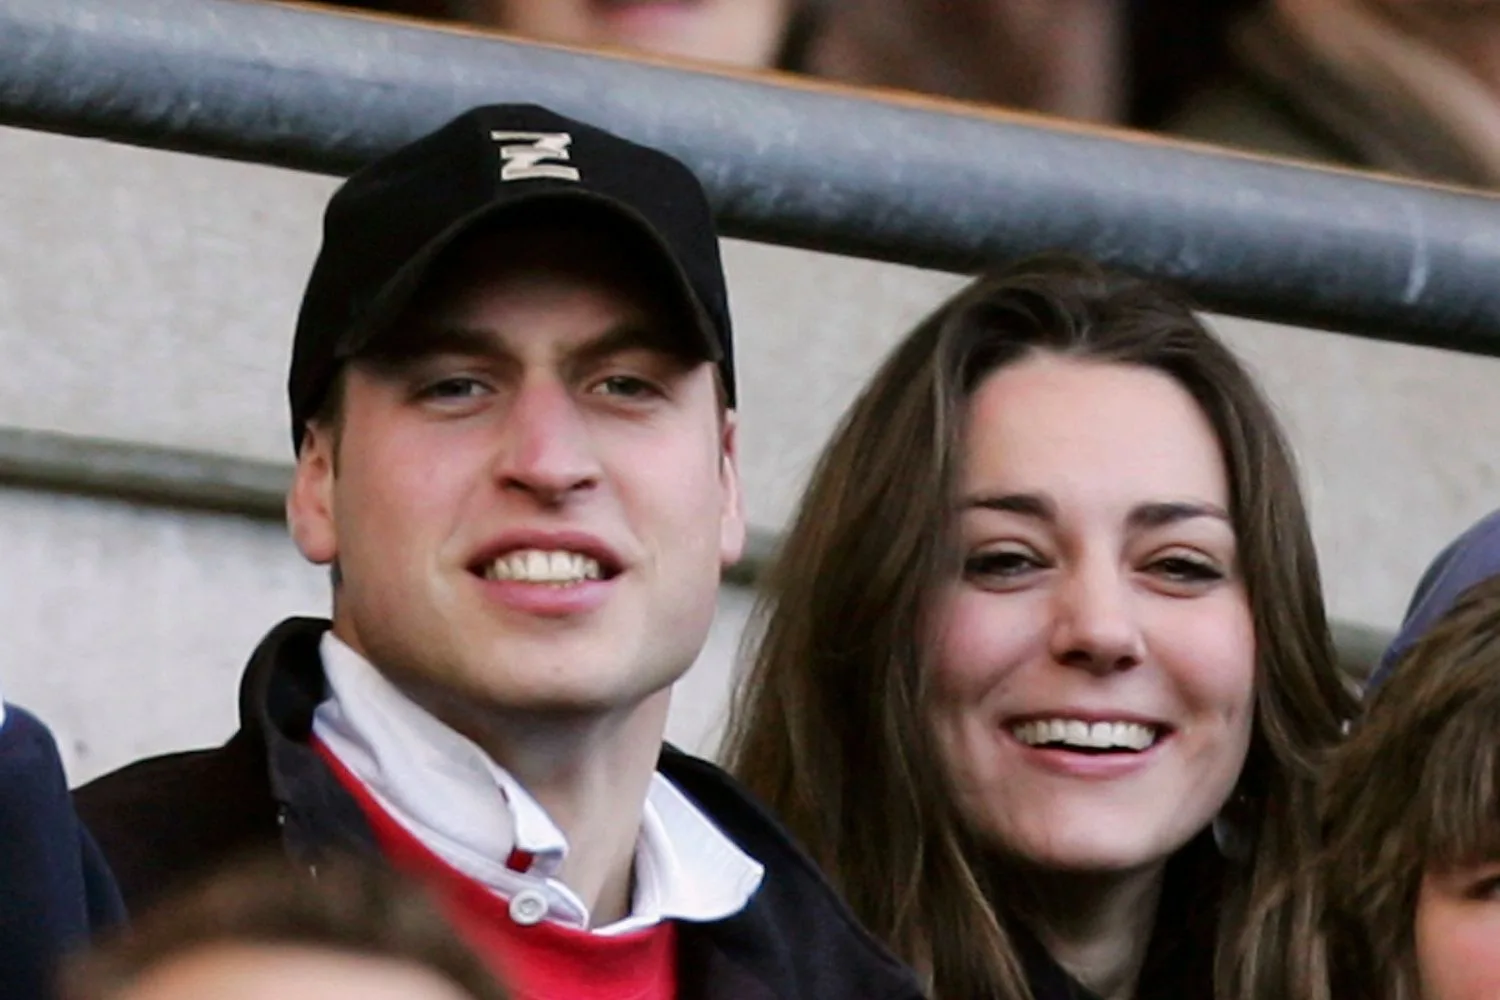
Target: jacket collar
{"points": [[795, 941]]}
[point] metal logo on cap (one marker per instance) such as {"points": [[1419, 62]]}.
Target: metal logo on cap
{"points": [[525, 155]]}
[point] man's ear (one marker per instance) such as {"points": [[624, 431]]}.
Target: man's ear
{"points": [[309, 501], [732, 517]]}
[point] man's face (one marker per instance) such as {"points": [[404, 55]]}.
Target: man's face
{"points": [[531, 505]]}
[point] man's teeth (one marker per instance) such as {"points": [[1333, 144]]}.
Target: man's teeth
{"points": [[537, 566], [1091, 736]]}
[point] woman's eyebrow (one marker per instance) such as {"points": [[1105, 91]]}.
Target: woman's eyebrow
{"points": [[1154, 514], [1033, 505], [1160, 513]]}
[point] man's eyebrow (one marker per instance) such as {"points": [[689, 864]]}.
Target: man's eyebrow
{"points": [[630, 335], [400, 349], [1033, 505], [1162, 513], [419, 342]]}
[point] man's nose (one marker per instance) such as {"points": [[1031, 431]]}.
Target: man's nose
{"points": [[546, 448]]}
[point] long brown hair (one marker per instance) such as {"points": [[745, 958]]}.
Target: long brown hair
{"points": [[828, 726], [1415, 789]]}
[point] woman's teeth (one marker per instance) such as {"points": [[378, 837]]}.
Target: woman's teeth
{"points": [[1133, 736]]}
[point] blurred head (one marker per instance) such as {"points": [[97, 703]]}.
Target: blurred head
{"points": [[746, 33], [287, 972], [528, 483], [1050, 603], [266, 932], [1412, 815]]}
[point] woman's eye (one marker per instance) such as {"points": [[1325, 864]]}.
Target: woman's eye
{"points": [[1487, 889], [1186, 569], [1002, 564], [625, 386]]}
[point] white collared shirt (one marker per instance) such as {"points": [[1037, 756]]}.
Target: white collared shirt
{"points": [[474, 815]]}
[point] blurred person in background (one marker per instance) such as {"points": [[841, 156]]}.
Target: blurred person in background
{"points": [[1106, 61], [1406, 86], [1044, 672], [1095, 60], [259, 931], [55, 889], [1412, 815], [749, 34]]}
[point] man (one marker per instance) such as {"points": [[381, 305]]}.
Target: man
{"points": [[512, 398], [55, 889]]}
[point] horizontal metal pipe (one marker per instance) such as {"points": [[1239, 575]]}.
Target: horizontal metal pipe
{"points": [[122, 470], [942, 186], [119, 470]]}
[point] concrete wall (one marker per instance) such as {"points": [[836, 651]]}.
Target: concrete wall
{"points": [[150, 297]]}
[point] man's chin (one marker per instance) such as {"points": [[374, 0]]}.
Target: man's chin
{"points": [[553, 688]]}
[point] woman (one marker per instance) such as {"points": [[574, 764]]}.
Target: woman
{"points": [[1412, 809], [1045, 674]]}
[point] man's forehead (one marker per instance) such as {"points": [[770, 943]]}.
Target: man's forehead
{"points": [[430, 337], [497, 298]]}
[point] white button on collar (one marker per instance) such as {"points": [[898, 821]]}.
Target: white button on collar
{"points": [[528, 907]]}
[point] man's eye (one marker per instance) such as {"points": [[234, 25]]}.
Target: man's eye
{"points": [[457, 387], [626, 386]]}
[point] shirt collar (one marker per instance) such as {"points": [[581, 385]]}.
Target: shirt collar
{"points": [[473, 814]]}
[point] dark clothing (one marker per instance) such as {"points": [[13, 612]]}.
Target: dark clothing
{"points": [[1467, 561], [1180, 959], [171, 818], [55, 889]]}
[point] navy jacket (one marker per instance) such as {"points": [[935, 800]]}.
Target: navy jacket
{"points": [[163, 820], [1469, 560], [55, 889]]}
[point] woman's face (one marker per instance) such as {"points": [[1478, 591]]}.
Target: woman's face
{"points": [[744, 33], [1093, 695], [1456, 929]]}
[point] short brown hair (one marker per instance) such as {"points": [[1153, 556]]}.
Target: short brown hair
{"points": [[1415, 789], [351, 907]]}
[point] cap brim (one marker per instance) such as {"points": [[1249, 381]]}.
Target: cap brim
{"points": [[397, 293]]}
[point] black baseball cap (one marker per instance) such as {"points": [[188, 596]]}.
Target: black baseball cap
{"points": [[387, 224]]}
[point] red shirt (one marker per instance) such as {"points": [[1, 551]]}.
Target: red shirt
{"points": [[536, 961]]}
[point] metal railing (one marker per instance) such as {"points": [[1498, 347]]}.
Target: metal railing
{"points": [[919, 182], [796, 163]]}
